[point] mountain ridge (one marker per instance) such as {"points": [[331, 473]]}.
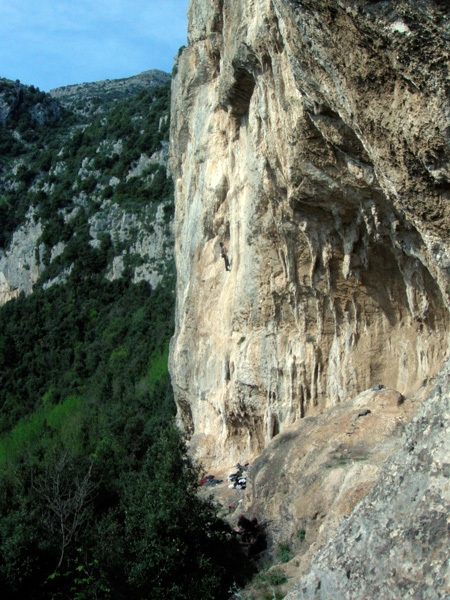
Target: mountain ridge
{"points": [[109, 90]]}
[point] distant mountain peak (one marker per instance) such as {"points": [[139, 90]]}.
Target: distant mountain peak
{"points": [[110, 89]]}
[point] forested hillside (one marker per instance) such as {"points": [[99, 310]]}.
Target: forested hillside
{"points": [[97, 495]]}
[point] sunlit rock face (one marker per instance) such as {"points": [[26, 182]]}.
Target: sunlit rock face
{"points": [[311, 138], [20, 264]]}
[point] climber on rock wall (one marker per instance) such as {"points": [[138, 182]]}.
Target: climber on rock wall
{"points": [[224, 253]]}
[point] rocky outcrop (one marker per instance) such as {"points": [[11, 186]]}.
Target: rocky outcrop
{"points": [[311, 476], [395, 543], [27, 102], [20, 265], [311, 138], [143, 240], [146, 240]]}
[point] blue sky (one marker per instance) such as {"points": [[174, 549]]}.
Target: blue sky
{"points": [[51, 43]]}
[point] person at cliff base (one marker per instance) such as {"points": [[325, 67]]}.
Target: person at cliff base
{"points": [[243, 528], [249, 534]]}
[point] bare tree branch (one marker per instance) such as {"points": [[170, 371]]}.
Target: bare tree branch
{"points": [[66, 499]]}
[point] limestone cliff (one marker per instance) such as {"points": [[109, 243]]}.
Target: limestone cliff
{"points": [[20, 265], [312, 139], [394, 544]]}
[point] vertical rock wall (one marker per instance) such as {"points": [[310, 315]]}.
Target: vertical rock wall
{"points": [[311, 138], [20, 265]]}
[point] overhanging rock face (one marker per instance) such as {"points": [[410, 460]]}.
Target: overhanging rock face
{"points": [[312, 140]]}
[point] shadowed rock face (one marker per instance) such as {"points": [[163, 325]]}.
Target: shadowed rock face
{"points": [[312, 139]]}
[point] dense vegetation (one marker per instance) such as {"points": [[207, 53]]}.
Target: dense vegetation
{"points": [[65, 158], [98, 498]]}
